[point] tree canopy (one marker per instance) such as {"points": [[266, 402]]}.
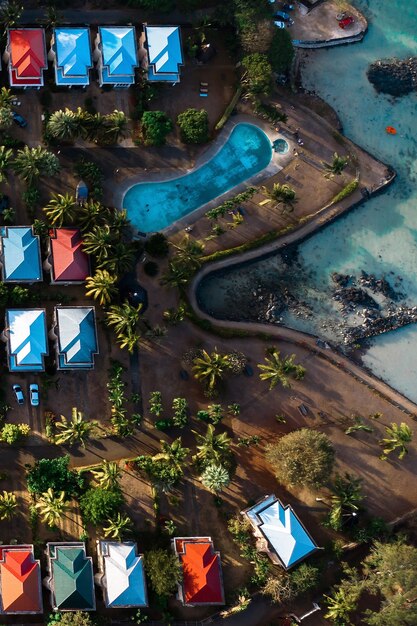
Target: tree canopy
{"points": [[54, 474], [98, 505], [303, 457], [155, 127], [193, 126], [258, 73], [163, 571], [281, 50]]}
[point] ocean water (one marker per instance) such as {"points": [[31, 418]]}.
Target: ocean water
{"points": [[381, 236], [155, 205]]}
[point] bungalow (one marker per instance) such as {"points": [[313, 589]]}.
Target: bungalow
{"points": [[163, 53], [71, 54], [279, 532], [75, 335], [20, 581], [26, 338], [20, 255], [70, 577], [121, 575], [67, 261], [202, 583], [25, 55], [116, 55]]}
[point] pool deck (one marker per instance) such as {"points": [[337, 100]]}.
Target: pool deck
{"points": [[277, 163]]}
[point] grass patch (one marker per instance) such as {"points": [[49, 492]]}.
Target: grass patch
{"points": [[346, 191]]}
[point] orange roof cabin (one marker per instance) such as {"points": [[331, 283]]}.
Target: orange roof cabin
{"points": [[26, 56], [20, 581], [202, 582], [67, 261]]}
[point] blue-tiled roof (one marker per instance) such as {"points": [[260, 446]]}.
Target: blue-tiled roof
{"points": [[124, 575], [73, 56], [21, 255], [77, 337], [164, 52], [27, 342], [119, 54]]}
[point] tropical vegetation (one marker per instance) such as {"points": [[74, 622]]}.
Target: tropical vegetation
{"points": [[279, 369]]}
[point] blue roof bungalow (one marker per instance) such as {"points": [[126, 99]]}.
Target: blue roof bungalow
{"points": [[121, 575], [26, 337], [116, 55], [163, 56], [279, 532], [75, 335], [71, 54], [20, 255]]}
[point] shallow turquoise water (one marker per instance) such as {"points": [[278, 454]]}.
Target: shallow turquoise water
{"points": [[154, 206], [381, 236]]}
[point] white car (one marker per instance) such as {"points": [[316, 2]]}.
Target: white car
{"points": [[279, 24], [34, 395]]}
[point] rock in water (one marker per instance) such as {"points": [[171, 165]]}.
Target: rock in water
{"points": [[393, 76]]}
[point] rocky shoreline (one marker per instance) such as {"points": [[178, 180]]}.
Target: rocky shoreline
{"points": [[394, 77]]}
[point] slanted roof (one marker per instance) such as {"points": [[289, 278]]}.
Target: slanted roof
{"points": [[164, 53], [72, 577], [21, 255], [119, 54], [20, 580], [77, 337], [202, 576], [26, 339], [124, 576], [73, 56], [27, 56], [69, 261], [282, 529]]}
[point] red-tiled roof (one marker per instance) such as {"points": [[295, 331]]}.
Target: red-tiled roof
{"points": [[20, 581], [69, 261], [202, 579], [28, 56]]}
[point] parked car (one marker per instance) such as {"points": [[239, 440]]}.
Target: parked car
{"points": [[19, 120], [288, 7], [34, 394], [19, 394], [347, 21], [279, 24], [4, 202], [282, 16]]}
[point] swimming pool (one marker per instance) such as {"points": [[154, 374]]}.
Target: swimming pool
{"points": [[281, 146], [155, 205]]}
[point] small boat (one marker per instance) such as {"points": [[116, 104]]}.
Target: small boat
{"points": [[391, 130]]}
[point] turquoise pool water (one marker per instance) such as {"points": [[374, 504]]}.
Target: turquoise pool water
{"points": [[154, 206], [381, 236]]}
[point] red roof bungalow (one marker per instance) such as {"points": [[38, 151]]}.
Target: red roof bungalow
{"points": [[20, 581], [26, 56], [67, 261], [202, 582]]}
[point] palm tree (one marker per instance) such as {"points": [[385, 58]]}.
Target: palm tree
{"points": [[210, 368], [6, 97], [346, 497], [173, 453], [281, 193], [107, 475], [9, 215], [6, 155], [5, 118], [99, 242], [124, 318], [278, 369], [118, 526], [336, 167], [92, 214], [212, 448], [398, 436], [115, 126], [66, 125], [215, 477], [78, 430], [189, 252], [177, 275], [52, 507], [52, 16], [129, 341], [93, 126], [121, 259], [101, 286], [10, 13], [31, 163], [118, 220], [340, 605], [8, 504], [61, 209]]}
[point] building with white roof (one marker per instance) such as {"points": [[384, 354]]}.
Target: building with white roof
{"points": [[121, 574]]}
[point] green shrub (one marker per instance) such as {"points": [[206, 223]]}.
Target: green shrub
{"points": [[194, 126], [53, 473], [345, 192], [98, 505], [157, 246]]}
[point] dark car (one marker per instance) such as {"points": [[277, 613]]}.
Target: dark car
{"points": [[288, 7], [19, 394], [19, 120], [282, 16], [4, 203]]}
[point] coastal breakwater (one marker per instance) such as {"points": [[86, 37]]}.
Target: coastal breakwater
{"points": [[372, 327], [394, 77]]}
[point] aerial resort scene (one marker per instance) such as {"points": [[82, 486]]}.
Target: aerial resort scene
{"points": [[208, 292]]}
